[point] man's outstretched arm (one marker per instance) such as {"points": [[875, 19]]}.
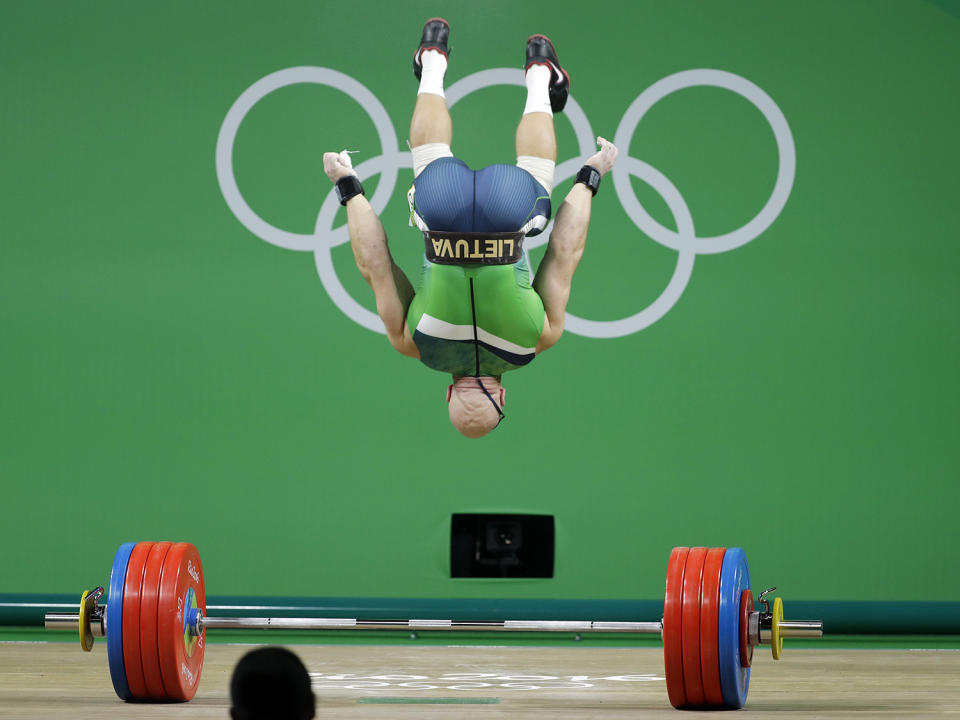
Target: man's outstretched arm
{"points": [[391, 288], [565, 248]]}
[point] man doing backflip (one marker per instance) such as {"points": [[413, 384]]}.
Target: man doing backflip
{"points": [[476, 314]]}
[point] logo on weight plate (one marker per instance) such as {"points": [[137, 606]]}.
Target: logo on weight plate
{"points": [[683, 240], [193, 571]]}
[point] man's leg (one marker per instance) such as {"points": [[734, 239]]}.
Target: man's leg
{"points": [[431, 121], [548, 85], [535, 133], [431, 130], [537, 153]]}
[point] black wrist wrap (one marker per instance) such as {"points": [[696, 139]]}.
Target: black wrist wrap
{"points": [[590, 177]]}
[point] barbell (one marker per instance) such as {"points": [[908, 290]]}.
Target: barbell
{"points": [[155, 624]]}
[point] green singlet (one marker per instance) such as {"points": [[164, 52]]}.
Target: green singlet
{"points": [[509, 318]]}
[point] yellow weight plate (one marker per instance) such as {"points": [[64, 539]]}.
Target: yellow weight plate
{"points": [[776, 642], [86, 636]]}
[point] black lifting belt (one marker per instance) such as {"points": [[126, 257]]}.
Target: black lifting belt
{"points": [[456, 248]]}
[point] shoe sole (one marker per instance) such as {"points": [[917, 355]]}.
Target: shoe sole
{"points": [[417, 68], [434, 47], [554, 51]]}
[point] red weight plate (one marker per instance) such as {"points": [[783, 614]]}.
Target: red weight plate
{"points": [[181, 589], [131, 620], [149, 596], [746, 607], [709, 635], [672, 627], [690, 641]]}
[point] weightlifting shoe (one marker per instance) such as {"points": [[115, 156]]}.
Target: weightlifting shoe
{"points": [[434, 37], [540, 52]]}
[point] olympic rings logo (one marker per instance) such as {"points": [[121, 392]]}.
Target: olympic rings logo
{"points": [[684, 240]]}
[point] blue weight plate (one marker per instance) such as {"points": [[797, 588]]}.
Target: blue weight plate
{"points": [[734, 579], [114, 621]]}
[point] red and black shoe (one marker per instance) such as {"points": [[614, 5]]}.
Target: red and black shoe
{"points": [[436, 31], [540, 52]]}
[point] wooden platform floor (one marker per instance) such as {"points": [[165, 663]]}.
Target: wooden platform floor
{"points": [[53, 680]]}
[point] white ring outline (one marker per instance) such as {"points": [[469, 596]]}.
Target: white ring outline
{"points": [[254, 94], [681, 273], [785, 149], [683, 240]]}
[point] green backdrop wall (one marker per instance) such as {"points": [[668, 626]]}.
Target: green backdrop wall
{"points": [[171, 371]]}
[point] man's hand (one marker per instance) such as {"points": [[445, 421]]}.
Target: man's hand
{"points": [[605, 157], [337, 165]]}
